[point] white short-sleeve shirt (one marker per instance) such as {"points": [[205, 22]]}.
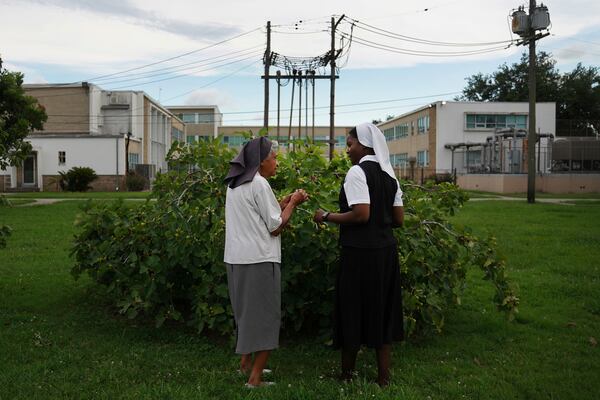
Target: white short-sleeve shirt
{"points": [[355, 185], [251, 214]]}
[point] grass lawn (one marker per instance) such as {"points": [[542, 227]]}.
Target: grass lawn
{"points": [[17, 202], [480, 194], [78, 195], [59, 338]]}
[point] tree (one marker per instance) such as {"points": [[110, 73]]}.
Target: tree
{"points": [[576, 93], [19, 115], [580, 94]]}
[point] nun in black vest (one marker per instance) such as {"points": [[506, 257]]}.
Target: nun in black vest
{"points": [[368, 298]]}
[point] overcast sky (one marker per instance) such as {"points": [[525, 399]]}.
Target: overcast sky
{"points": [[67, 40]]}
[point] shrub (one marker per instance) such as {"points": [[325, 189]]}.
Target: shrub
{"points": [[165, 258], [4, 234], [4, 229], [136, 182], [445, 177], [77, 179]]}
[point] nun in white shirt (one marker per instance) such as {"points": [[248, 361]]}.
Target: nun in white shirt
{"points": [[253, 221], [368, 297]]}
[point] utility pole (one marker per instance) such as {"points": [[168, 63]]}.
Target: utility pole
{"points": [[290, 145], [531, 139], [296, 75], [278, 101], [313, 106], [299, 104], [332, 91], [267, 65], [526, 26]]}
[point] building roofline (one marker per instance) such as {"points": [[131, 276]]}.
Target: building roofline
{"points": [[436, 102], [58, 85], [188, 107]]}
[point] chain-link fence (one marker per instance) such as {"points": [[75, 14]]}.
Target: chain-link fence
{"points": [[577, 128], [572, 155]]}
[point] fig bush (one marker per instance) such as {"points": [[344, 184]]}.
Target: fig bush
{"points": [[164, 258]]}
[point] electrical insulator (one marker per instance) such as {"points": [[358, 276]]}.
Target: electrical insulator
{"points": [[520, 22], [540, 18]]}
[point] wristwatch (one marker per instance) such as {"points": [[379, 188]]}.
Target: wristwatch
{"points": [[325, 215]]}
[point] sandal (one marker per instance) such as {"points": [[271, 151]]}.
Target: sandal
{"points": [[262, 384], [265, 371]]}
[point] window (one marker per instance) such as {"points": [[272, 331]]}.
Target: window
{"points": [[389, 134], [234, 141], [495, 121], [401, 131], [422, 158], [423, 124], [134, 159], [399, 160], [189, 118], [177, 134], [205, 118], [62, 157]]}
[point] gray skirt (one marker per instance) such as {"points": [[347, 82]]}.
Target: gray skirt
{"points": [[255, 294]]}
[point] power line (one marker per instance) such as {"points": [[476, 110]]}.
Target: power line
{"points": [[188, 70], [384, 32], [177, 56], [215, 81], [398, 50], [176, 67]]}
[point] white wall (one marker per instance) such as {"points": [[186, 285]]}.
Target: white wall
{"points": [[451, 124], [97, 153], [95, 103]]}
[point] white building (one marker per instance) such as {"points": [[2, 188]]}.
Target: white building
{"points": [[91, 127], [452, 136]]}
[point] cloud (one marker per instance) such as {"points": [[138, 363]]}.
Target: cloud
{"points": [[31, 75], [209, 97], [124, 9], [574, 52]]}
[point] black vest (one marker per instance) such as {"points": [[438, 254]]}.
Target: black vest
{"points": [[377, 232]]}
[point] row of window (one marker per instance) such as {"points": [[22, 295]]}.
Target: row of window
{"points": [[494, 121], [396, 132], [401, 159], [197, 118], [473, 121], [400, 131]]}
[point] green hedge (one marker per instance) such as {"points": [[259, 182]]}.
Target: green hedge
{"points": [[165, 258]]}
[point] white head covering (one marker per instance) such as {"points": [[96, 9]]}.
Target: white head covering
{"points": [[370, 136]]}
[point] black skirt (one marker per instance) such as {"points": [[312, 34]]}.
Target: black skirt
{"points": [[368, 298]]}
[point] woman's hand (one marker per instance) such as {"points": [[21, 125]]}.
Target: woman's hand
{"points": [[318, 217], [298, 197]]}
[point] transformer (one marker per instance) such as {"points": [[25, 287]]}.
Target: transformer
{"points": [[520, 22], [541, 18]]}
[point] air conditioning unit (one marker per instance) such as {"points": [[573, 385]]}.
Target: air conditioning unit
{"points": [[117, 98]]}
